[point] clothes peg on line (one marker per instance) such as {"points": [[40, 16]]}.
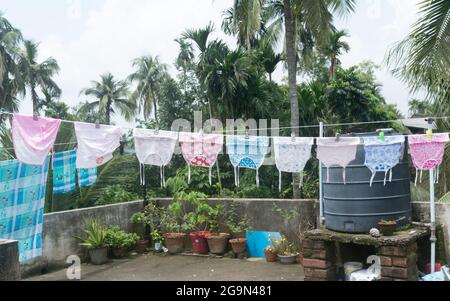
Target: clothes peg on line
{"points": [[247, 135], [293, 137], [35, 116], [382, 136], [338, 137], [97, 124]]}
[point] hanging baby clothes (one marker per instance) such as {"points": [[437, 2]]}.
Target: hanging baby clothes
{"points": [[201, 150], [22, 197], [383, 155], [33, 139], [64, 172], [155, 148], [247, 152], [291, 155], [331, 152], [427, 153], [96, 144], [87, 176]]}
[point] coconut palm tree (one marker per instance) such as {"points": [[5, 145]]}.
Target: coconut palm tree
{"points": [[149, 74], [306, 22], [200, 37], [422, 59], [334, 48], [37, 75], [11, 82], [112, 95], [185, 60]]}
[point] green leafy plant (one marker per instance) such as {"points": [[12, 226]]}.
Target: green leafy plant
{"points": [[95, 235], [156, 236], [235, 223], [117, 238], [115, 194], [284, 247], [139, 218]]}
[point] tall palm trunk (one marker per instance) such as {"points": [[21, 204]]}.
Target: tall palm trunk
{"points": [[332, 66], [155, 107], [35, 99], [291, 58], [108, 112]]}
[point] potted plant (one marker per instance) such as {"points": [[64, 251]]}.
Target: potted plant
{"points": [[217, 241], [387, 228], [173, 237], [120, 241], [195, 220], [95, 242], [238, 227], [286, 251], [157, 239], [139, 220], [270, 252]]}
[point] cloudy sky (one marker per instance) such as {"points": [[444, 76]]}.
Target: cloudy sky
{"points": [[90, 37]]}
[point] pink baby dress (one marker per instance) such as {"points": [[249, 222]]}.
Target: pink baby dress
{"points": [[200, 150], [427, 153], [33, 139]]}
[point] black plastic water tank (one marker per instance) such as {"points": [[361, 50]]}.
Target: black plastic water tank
{"points": [[355, 207]]}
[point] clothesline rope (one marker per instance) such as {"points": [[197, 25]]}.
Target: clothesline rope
{"points": [[281, 128]]}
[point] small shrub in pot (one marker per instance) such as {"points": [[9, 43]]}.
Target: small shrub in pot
{"points": [[95, 242], [286, 251], [120, 241]]}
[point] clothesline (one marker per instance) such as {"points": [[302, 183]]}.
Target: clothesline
{"points": [[278, 128]]}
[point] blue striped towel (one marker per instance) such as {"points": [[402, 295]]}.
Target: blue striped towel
{"points": [[87, 176], [22, 197], [64, 169]]}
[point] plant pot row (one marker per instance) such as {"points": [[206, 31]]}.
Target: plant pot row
{"points": [[288, 259], [99, 256], [204, 242]]}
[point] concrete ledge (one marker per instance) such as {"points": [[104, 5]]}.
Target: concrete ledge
{"points": [[9, 260]]}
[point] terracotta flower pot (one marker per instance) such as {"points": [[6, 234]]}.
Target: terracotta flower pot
{"points": [[199, 242], [217, 242], [387, 229], [238, 245], [270, 256], [141, 246], [175, 242]]}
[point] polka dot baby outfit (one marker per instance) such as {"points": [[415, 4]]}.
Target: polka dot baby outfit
{"points": [[291, 155], [154, 148], [383, 156], [247, 152], [427, 153], [201, 150], [331, 152]]}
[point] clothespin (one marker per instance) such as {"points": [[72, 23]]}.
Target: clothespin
{"points": [[97, 124], [247, 135], [201, 132], [35, 116], [293, 137], [338, 137], [429, 132], [382, 136], [157, 131]]}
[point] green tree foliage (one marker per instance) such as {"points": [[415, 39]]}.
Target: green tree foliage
{"points": [[112, 95]]}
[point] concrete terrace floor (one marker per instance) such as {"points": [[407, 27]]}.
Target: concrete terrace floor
{"points": [[149, 267]]}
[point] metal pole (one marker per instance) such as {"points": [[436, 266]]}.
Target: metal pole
{"points": [[322, 217], [432, 210]]}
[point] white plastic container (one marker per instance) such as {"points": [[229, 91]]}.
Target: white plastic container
{"points": [[350, 267]]}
